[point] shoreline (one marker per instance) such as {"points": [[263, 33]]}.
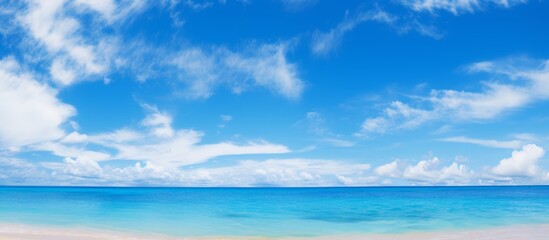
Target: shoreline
{"points": [[9, 231]]}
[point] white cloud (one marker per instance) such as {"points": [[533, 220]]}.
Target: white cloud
{"points": [[283, 172], [389, 170], [315, 124], [74, 137], [200, 5], [271, 172], [520, 82], [71, 151], [82, 167], [47, 24], [265, 66], [105, 7], [118, 136], [528, 137], [200, 70], [60, 73], [374, 125], [513, 144], [57, 30], [31, 111], [14, 171], [395, 117], [183, 149], [522, 163], [490, 103], [159, 123], [521, 168], [456, 6], [427, 30], [338, 142], [268, 67], [161, 144], [226, 118], [296, 5], [325, 42], [533, 73], [426, 171]]}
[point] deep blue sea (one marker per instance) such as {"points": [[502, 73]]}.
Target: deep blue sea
{"points": [[275, 211]]}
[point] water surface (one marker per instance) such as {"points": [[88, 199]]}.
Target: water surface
{"points": [[275, 211]]}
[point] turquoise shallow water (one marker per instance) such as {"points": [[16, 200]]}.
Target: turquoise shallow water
{"points": [[275, 211]]}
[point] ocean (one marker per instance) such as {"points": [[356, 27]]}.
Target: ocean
{"points": [[275, 212]]}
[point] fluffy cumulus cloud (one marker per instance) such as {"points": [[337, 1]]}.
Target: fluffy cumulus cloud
{"points": [[457, 6], [522, 163], [522, 167], [30, 110], [82, 167], [427, 172], [520, 82]]}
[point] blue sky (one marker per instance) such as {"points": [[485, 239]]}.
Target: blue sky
{"points": [[274, 93]]}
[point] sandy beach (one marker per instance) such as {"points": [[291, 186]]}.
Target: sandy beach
{"points": [[517, 232]]}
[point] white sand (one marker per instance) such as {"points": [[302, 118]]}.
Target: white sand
{"points": [[518, 232]]}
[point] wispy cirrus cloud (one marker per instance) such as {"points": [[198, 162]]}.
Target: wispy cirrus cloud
{"points": [[511, 144], [264, 65], [53, 29], [268, 67], [297, 5], [325, 42], [457, 6], [316, 125], [520, 82], [157, 143], [54, 34], [159, 123]]}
